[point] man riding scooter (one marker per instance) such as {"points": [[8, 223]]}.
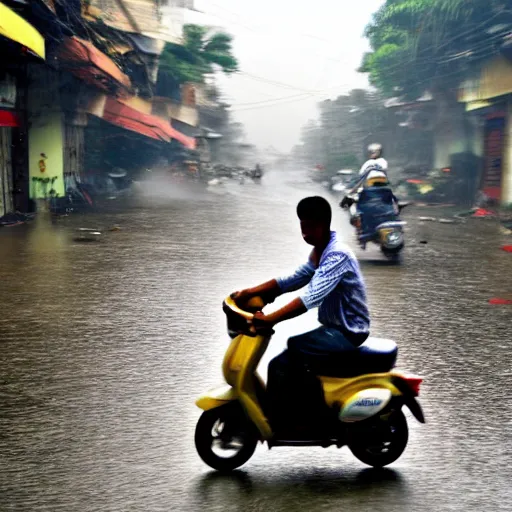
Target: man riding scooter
{"points": [[371, 197], [334, 285], [375, 157]]}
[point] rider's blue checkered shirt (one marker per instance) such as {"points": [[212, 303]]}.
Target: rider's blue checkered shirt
{"points": [[336, 287]]}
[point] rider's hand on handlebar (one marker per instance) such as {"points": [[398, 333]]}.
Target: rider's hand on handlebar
{"points": [[242, 295], [261, 321]]}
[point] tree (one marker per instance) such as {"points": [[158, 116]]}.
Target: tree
{"points": [[346, 126], [435, 45], [420, 45], [200, 54]]}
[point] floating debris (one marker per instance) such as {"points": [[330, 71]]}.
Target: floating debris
{"points": [[427, 219], [506, 248], [447, 221], [483, 212], [87, 235], [500, 302], [115, 228]]}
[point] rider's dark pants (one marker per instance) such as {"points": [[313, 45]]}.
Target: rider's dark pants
{"points": [[295, 394]]}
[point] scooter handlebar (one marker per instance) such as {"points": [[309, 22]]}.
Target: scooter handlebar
{"points": [[255, 303], [231, 304]]}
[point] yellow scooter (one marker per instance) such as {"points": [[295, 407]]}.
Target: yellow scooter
{"points": [[364, 401]]}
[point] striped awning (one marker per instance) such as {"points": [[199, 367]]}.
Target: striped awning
{"points": [[124, 116], [88, 63]]}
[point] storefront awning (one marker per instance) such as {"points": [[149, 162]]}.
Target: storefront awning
{"points": [[495, 80], [84, 60], [9, 119], [151, 126], [188, 142], [15, 28]]}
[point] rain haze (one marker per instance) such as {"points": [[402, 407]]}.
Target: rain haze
{"points": [[170, 170], [292, 55]]}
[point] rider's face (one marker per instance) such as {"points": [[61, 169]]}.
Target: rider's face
{"points": [[313, 232]]}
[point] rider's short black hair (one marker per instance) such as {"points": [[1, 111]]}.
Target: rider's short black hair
{"points": [[315, 208]]}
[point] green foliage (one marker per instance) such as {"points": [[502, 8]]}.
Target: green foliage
{"points": [[424, 44], [198, 56]]}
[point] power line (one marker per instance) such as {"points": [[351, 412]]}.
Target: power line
{"points": [[272, 82], [444, 44], [294, 98], [307, 94], [290, 100]]}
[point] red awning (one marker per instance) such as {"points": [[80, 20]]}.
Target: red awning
{"points": [[151, 126], [188, 142], [9, 119], [84, 60]]}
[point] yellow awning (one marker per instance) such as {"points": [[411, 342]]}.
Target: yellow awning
{"points": [[14, 27], [495, 80], [477, 105]]}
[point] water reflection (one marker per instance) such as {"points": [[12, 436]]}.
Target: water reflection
{"points": [[104, 347], [288, 490]]}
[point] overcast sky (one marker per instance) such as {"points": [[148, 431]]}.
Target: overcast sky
{"points": [[290, 58]]}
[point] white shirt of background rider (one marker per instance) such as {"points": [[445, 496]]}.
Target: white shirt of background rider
{"points": [[381, 162]]}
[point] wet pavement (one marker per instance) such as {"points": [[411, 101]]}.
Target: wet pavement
{"points": [[104, 347]]}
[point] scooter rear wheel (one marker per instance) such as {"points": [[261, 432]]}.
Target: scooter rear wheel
{"points": [[224, 438], [382, 442]]}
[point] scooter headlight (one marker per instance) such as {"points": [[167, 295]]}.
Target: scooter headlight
{"points": [[394, 239]]}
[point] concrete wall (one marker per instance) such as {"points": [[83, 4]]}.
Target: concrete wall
{"points": [[506, 184], [476, 135], [6, 202], [46, 136], [450, 131]]}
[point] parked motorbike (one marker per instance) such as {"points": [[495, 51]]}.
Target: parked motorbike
{"points": [[376, 216], [257, 173], [363, 401]]}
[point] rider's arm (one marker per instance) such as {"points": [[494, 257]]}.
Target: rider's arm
{"points": [[276, 287], [325, 280], [300, 278], [291, 310]]}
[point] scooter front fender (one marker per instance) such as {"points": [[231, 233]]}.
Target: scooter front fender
{"points": [[217, 397]]}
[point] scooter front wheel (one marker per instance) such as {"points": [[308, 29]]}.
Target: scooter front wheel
{"points": [[382, 441], [392, 255], [224, 438]]}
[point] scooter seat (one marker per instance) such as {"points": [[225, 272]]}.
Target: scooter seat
{"points": [[378, 347], [375, 355]]}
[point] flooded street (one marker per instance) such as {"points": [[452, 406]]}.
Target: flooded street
{"points": [[104, 347]]}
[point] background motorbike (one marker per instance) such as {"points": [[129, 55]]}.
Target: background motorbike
{"points": [[381, 226]]}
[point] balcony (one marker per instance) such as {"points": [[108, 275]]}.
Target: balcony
{"points": [[166, 108]]}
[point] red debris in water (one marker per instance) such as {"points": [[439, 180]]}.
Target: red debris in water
{"points": [[505, 302], [507, 248], [482, 212]]}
